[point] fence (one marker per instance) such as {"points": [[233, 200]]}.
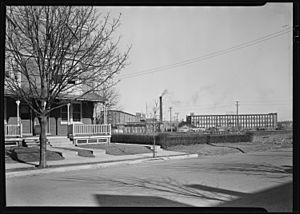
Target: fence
{"points": [[90, 129]]}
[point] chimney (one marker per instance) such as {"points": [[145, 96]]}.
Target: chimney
{"points": [[160, 109]]}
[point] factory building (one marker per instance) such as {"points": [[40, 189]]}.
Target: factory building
{"points": [[241, 121]]}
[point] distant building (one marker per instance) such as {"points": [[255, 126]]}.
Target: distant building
{"points": [[117, 117], [285, 125], [242, 121]]}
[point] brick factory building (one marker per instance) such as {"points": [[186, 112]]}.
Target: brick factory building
{"points": [[243, 121]]}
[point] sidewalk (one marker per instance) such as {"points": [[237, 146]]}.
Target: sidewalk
{"points": [[74, 162]]}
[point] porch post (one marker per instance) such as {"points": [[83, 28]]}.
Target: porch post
{"points": [[18, 112], [94, 112], [105, 114], [68, 112]]}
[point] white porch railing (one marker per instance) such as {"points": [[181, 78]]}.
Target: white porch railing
{"points": [[89, 129], [13, 130]]}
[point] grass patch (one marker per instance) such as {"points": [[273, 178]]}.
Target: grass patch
{"points": [[85, 153], [31, 154], [117, 149]]}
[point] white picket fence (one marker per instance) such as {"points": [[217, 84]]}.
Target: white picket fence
{"points": [[90, 129]]}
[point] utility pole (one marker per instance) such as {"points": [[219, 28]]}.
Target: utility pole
{"points": [[237, 114], [177, 120], [170, 117]]}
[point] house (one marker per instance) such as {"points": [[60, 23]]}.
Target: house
{"points": [[76, 119]]}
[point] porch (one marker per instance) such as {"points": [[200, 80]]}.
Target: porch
{"points": [[78, 133], [89, 133]]}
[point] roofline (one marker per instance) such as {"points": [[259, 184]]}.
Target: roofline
{"points": [[123, 112], [64, 98], [196, 115]]}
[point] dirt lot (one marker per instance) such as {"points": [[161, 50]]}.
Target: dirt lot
{"points": [[259, 143]]}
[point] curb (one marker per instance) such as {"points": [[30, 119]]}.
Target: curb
{"points": [[95, 165]]}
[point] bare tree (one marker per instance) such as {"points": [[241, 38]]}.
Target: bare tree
{"points": [[110, 93], [112, 97], [49, 47], [155, 108]]}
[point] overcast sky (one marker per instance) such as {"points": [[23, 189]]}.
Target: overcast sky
{"points": [[207, 58]]}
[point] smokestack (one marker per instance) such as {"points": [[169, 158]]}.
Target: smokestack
{"points": [[160, 109]]}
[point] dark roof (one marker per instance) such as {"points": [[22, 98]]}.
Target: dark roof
{"points": [[87, 97], [93, 97]]}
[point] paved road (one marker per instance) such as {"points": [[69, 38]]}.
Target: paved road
{"points": [[262, 179]]}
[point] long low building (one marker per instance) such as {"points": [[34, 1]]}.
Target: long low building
{"points": [[243, 121]]}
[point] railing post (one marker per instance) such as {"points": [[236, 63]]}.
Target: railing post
{"points": [[73, 129], [21, 130]]}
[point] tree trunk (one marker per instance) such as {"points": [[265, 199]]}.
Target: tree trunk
{"points": [[43, 141]]}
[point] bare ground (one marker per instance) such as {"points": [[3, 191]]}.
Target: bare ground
{"points": [[259, 144]]}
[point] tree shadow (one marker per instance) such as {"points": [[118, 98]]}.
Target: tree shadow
{"points": [[135, 201], [165, 186], [276, 198]]}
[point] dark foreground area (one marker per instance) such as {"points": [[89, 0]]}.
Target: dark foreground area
{"points": [[257, 179]]}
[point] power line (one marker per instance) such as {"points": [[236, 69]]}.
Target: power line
{"points": [[204, 108], [274, 104], [207, 56]]}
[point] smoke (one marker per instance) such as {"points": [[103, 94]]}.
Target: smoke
{"points": [[164, 92], [203, 91]]}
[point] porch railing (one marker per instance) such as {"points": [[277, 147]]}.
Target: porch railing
{"points": [[89, 129], [13, 130]]}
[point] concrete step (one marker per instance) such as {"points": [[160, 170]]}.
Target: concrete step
{"points": [[98, 152], [72, 153], [65, 153], [60, 142], [157, 147]]}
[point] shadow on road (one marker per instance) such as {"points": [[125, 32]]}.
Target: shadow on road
{"points": [[217, 190], [136, 201], [276, 199], [254, 168]]}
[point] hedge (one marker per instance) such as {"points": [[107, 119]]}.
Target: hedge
{"points": [[171, 139]]}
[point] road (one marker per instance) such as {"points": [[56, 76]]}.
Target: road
{"points": [[253, 179]]}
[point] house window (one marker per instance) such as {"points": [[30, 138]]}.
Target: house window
{"points": [[76, 112], [24, 112], [64, 113]]}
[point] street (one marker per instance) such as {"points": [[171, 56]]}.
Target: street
{"points": [[257, 179]]}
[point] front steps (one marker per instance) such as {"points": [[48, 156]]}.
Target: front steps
{"points": [[52, 141]]}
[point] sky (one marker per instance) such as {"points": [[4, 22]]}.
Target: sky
{"points": [[206, 59]]}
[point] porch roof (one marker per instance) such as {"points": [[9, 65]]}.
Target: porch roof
{"points": [[93, 97]]}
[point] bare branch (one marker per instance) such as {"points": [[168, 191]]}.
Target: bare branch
{"points": [[50, 46]]}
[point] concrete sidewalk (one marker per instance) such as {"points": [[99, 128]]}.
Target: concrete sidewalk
{"points": [[74, 162]]}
